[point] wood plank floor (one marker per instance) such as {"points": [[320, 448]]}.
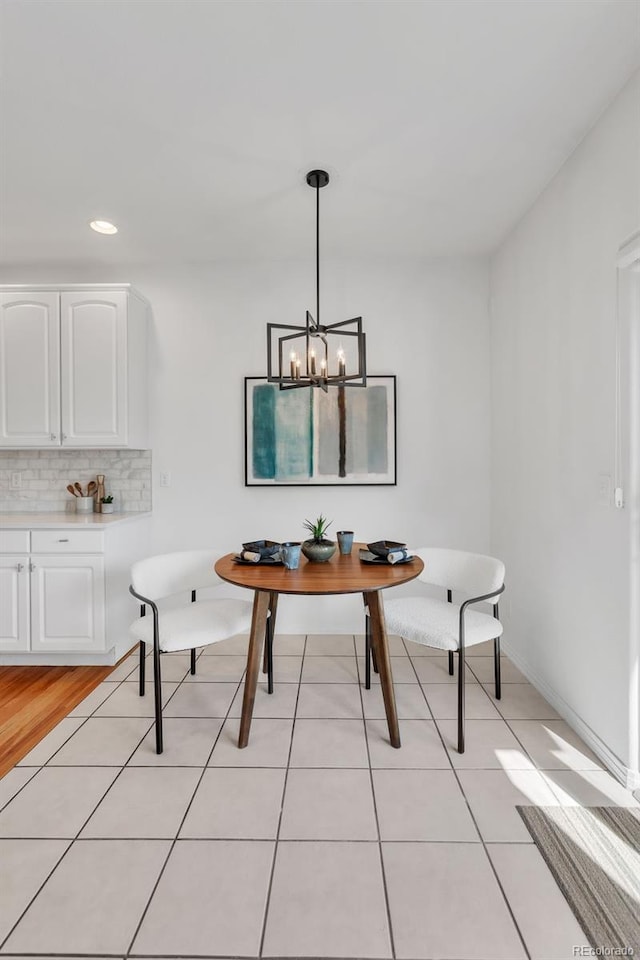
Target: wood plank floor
{"points": [[34, 699]]}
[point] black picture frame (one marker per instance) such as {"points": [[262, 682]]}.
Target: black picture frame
{"points": [[293, 438]]}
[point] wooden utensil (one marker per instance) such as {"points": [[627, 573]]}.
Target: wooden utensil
{"points": [[72, 490], [92, 487], [79, 489]]}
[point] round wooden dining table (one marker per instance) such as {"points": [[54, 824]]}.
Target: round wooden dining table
{"points": [[340, 575]]}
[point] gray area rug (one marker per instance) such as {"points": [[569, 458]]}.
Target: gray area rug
{"points": [[594, 855]]}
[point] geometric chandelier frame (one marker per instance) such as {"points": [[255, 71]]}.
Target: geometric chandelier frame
{"points": [[303, 356]]}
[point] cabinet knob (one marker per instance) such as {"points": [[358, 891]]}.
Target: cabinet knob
{"points": [[20, 567], [53, 437], [63, 540], [32, 566], [64, 436]]}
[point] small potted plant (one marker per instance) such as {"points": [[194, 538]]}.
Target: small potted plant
{"points": [[107, 504], [318, 549]]}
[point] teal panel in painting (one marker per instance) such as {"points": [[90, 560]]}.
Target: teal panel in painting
{"points": [[263, 455], [293, 435], [377, 429]]}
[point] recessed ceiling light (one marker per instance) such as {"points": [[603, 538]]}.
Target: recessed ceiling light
{"points": [[103, 226]]}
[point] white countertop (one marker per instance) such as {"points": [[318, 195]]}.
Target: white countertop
{"points": [[42, 521]]}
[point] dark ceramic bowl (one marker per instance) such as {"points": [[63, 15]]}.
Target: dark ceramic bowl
{"points": [[266, 548], [382, 548]]}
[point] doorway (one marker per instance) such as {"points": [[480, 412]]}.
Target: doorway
{"points": [[627, 464]]}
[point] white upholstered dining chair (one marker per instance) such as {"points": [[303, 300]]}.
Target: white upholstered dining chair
{"points": [[183, 626], [449, 626]]}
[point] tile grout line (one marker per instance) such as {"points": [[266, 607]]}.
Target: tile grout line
{"points": [[482, 840], [72, 840], [375, 813], [180, 825], [267, 903], [456, 771], [36, 894], [36, 771], [19, 765], [85, 822], [527, 843]]}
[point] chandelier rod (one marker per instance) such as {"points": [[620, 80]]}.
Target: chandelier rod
{"points": [[307, 375], [318, 251]]}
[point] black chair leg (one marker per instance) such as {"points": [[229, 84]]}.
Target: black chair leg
{"points": [[143, 653], [193, 649], [157, 690], [461, 700], [268, 653], [450, 651], [367, 652], [373, 653], [496, 667]]}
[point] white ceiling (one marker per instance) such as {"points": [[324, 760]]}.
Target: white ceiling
{"points": [[191, 123]]}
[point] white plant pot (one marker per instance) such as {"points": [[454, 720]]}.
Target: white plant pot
{"points": [[107, 507]]}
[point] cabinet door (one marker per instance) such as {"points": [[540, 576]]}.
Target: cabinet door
{"points": [[94, 368], [29, 370], [14, 609], [67, 604]]}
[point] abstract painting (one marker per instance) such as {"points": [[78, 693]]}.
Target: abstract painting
{"points": [[308, 437]]}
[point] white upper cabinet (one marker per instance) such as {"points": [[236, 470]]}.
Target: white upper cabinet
{"points": [[73, 367], [29, 369], [93, 337]]}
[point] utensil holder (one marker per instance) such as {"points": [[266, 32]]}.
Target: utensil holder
{"points": [[100, 492], [84, 504]]}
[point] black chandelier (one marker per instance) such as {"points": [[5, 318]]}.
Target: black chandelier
{"points": [[303, 357]]}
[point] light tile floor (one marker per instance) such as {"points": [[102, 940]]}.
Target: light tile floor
{"points": [[318, 840]]}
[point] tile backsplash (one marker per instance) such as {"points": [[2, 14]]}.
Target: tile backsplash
{"points": [[44, 475]]}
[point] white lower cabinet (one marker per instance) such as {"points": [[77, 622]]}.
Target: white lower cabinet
{"points": [[64, 593], [67, 604], [51, 603], [15, 635]]}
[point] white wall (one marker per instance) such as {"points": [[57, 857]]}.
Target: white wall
{"points": [[425, 322], [553, 391]]}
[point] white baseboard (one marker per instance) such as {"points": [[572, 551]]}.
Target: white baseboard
{"points": [[59, 659], [627, 776], [124, 648]]}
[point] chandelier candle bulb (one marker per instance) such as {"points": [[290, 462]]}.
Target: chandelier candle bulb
{"points": [[297, 369], [342, 367], [292, 358], [312, 363]]}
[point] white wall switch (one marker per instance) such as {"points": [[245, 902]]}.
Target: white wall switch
{"points": [[165, 479], [16, 480], [604, 490]]}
